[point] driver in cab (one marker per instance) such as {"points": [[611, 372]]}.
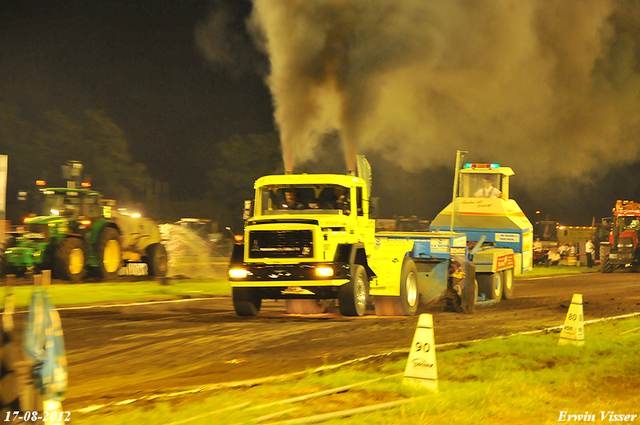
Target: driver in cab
{"points": [[291, 202], [488, 191]]}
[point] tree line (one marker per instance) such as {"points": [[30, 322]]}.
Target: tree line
{"points": [[38, 144]]}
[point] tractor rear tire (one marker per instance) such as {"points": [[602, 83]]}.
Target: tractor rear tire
{"points": [[353, 296], [507, 284], [605, 263], [409, 296], [246, 301], [109, 254], [70, 260], [157, 261]]}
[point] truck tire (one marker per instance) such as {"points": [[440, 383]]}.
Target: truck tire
{"points": [[409, 287], [246, 301], [507, 284], [69, 260], [491, 285], [353, 296], [605, 263], [157, 261], [109, 254]]}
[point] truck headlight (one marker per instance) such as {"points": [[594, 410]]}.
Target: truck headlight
{"points": [[324, 271], [238, 273]]}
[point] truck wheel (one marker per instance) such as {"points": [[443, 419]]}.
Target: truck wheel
{"points": [[109, 255], [157, 260], [246, 301], [605, 263], [409, 287], [507, 284], [69, 260], [353, 296], [491, 285]]}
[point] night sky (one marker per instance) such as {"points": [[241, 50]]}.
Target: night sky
{"points": [[141, 62], [137, 60]]}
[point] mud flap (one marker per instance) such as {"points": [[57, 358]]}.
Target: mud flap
{"points": [[471, 295]]}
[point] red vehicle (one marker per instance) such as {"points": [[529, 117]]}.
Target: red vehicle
{"points": [[622, 250]]}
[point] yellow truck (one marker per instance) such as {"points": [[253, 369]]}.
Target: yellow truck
{"points": [[311, 236]]}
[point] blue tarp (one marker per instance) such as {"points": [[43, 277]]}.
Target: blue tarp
{"points": [[9, 397], [44, 345]]}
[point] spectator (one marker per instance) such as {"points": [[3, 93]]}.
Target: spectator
{"points": [[554, 257], [563, 251], [537, 245], [590, 250]]}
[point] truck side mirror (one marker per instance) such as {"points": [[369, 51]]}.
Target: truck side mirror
{"points": [[373, 207], [248, 209]]}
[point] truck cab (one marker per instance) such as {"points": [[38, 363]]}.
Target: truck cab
{"points": [[303, 239]]}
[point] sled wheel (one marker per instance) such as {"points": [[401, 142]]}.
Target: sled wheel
{"points": [[409, 287], [507, 284]]}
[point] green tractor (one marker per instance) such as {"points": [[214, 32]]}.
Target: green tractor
{"points": [[78, 233]]}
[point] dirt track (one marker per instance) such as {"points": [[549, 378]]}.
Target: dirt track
{"points": [[118, 353]]}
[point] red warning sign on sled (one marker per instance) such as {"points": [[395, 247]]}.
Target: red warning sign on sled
{"points": [[505, 261]]}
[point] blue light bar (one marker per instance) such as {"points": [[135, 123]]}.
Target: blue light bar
{"points": [[477, 165]]}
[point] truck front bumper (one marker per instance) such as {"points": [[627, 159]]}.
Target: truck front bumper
{"points": [[288, 275]]}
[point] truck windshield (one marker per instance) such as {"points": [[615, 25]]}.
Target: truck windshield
{"points": [[305, 199]]}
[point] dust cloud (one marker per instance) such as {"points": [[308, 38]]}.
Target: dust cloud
{"points": [[543, 86]]}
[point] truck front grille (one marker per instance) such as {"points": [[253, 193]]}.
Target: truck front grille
{"points": [[281, 244]]}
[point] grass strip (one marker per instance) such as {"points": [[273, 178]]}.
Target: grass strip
{"points": [[520, 380], [95, 293]]}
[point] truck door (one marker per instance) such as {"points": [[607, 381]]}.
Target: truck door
{"points": [[365, 226]]}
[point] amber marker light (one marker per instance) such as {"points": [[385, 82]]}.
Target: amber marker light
{"points": [[324, 271], [238, 238], [238, 273], [85, 222]]}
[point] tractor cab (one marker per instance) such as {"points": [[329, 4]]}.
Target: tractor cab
{"points": [[70, 203]]}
